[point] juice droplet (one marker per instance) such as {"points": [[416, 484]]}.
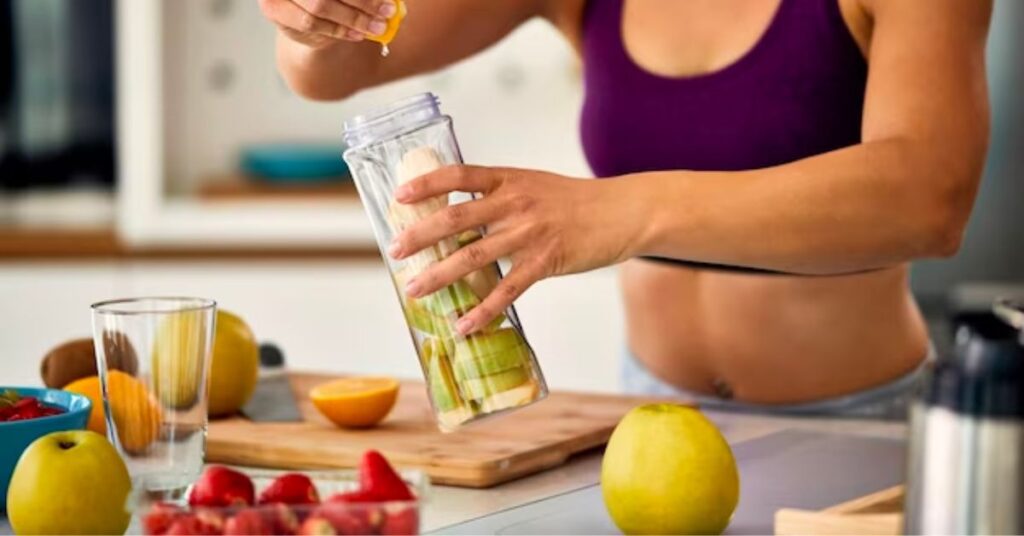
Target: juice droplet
{"points": [[384, 51]]}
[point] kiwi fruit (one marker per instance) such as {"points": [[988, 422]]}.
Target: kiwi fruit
{"points": [[76, 359]]}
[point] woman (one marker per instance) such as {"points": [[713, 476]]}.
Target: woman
{"points": [[821, 143]]}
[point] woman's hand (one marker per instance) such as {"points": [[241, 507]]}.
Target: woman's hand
{"points": [[546, 224], [319, 23]]}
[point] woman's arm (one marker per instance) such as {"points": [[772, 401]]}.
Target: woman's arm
{"points": [[318, 59], [904, 193]]}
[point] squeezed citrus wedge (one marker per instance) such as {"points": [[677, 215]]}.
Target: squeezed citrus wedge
{"points": [[394, 22], [357, 402]]}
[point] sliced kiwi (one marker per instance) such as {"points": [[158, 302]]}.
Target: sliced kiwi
{"points": [[481, 388]]}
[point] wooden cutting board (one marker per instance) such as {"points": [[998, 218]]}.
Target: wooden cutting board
{"points": [[480, 455], [880, 513]]}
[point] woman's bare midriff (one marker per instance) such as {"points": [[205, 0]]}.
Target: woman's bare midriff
{"points": [[771, 339]]}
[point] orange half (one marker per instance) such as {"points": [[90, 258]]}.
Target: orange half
{"points": [[357, 402]]}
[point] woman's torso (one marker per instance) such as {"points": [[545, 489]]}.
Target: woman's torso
{"points": [[741, 84]]}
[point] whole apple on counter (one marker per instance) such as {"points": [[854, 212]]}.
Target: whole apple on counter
{"points": [[668, 470], [69, 483]]}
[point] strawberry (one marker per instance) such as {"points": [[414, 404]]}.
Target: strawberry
{"points": [[281, 518], [355, 496], [212, 521], [404, 521], [317, 525], [248, 521], [160, 517], [220, 486], [290, 488], [189, 525], [346, 519], [378, 478]]}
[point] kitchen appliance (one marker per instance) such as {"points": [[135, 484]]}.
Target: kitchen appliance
{"points": [[966, 474], [490, 371], [488, 453], [56, 94]]}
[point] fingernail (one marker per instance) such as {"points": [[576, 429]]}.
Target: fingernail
{"points": [[378, 26], [412, 288], [402, 193], [355, 35], [464, 325], [387, 9], [395, 249]]}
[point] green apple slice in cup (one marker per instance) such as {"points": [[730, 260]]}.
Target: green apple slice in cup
{"points": [[451, 409], [485, 354]]}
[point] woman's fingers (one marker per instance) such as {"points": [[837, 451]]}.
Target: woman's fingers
{"points": [[350, 20], [359, 15], [460, 178], [466, 260], [508, 290], [375, 8], [293, 18], [444, 223]]}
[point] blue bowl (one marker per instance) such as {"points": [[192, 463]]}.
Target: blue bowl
{"points": [[18, 435]]}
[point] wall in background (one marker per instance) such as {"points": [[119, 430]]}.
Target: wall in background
{"points": [[329, 316], [994, 247], [222, 90]]}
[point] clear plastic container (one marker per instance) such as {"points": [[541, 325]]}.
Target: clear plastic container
{"points": [[326, 517], [491, 371]]}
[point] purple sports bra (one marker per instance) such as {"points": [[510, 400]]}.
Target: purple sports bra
{"points": [[798, 92]]}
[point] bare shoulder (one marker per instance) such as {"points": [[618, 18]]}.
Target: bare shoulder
{"points": [[567, 16], [974, 14]]}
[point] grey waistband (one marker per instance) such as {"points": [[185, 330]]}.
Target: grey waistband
{"points": [[886, 401]]}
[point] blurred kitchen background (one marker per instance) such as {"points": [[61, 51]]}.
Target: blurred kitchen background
{"points": [[149, 147]]}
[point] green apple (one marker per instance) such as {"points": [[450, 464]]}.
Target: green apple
{"points": [[455, 299], [481, 388], [439, 373], [69, 483], [668, 470], [489, 353]]}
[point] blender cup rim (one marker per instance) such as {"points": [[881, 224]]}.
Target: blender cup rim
{"points": [[392, 119]]}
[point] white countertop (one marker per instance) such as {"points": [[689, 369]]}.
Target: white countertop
{"points": [[449, 505]]}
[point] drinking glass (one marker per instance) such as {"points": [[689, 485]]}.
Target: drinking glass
{"points": [[153, 357]]}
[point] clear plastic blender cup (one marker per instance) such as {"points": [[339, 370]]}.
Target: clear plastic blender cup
{"points": [[491, 371]]}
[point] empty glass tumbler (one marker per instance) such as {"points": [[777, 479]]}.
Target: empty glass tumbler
{"points": [[491, 371], [153, 356]]}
